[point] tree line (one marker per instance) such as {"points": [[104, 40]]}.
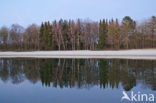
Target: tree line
{"points": [[80, 35]]}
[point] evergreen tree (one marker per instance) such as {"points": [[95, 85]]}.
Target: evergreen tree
{"points": [[102, 35], [54, 35], [78, 35], [128, 27], [49, 35], [65, 33], [41, 35]]}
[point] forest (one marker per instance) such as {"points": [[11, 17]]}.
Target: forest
{"points": [[80, 35]]}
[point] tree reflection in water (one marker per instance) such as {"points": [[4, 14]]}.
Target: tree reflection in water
{"points": [[80, 72]]}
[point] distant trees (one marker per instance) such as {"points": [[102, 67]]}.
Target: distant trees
{"points": [[80, 35], [103, 29], [127, 30], [146, 34], [45, 36], [4, 36], [16, 37], [31, 38], [69, 35]]}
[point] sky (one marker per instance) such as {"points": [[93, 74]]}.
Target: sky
{"points": [[26, 12]]}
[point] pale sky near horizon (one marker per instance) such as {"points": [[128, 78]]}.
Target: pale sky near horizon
{"points": [[26, 12]]}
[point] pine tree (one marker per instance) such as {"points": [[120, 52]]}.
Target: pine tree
{"points": [[65, 33], [111, 34], [128, 27], [102, 35], [117, 35], [78, 35], [41, 35], [49, 35]]}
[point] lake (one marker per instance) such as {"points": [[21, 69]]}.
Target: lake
{"points": [[34, 80]]}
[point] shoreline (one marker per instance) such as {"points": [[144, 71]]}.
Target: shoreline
{"points": [[105, 54]]}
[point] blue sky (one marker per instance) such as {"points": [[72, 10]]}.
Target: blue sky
{"points": [[26, 12]]}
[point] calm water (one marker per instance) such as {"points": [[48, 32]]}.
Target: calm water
{"points": [[74, 80]]}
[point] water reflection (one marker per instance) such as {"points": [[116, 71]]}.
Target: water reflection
{"points": [[80, 72]]}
